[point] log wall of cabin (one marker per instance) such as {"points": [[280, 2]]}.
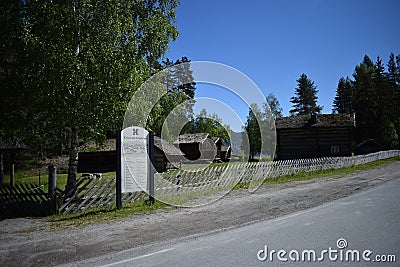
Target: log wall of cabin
{"points": [[313, 142], [191, 150], [159, 160], [163, 163]]}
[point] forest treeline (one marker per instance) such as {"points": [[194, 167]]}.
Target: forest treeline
{"points": [[373, 94]]}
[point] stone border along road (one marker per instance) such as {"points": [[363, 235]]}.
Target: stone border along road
{"points": [[23, 245]]}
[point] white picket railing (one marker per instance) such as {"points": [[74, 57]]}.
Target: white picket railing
{"points": [[178, 182], [195, 186]]}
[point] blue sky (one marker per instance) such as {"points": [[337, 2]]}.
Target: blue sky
{"points": [[273, 42]]}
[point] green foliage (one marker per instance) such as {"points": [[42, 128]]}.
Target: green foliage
{"points": [[260, 136], [305, 99], [180, 85], [75, 65], [394, 88], [343, 102], [88, 58], [208, 123], [253, 130], [374, 96], [272, 107]]}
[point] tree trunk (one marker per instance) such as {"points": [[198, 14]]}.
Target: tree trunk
{"points": [[73, 152], [73, 161]]}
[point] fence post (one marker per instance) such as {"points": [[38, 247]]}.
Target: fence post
{"points": [[118, 186], [151, 167], [12, 178], [52, 188], [1, 168]]}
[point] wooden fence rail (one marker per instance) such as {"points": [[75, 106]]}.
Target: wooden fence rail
{"points": [[24, 200], [184, 182], [100, 192]]}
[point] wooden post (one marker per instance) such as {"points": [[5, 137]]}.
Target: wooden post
{"points": [[151, 167], [52, 188], [52, 180], [12, 180], [73, 162], [118, 181], [1, 168]]}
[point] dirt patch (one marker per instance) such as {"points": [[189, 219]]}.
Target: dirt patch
{"points": [[46, 247]]}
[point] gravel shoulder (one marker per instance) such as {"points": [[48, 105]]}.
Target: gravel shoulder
{"points": [[28, 242]]}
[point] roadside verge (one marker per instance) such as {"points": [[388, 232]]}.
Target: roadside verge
{"points": [[54, 246]]}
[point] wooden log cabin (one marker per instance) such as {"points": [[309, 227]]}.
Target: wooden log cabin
{"points": [[218, 145], [197, 146], [223, 150], [226, 152], [166, 157], [311, 136]]}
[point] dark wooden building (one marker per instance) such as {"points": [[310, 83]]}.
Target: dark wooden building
{"points": [[226, 152], [10, 146], [198, 146], [166, 155], [307, 136], [97, 162], [218, 145], [369, 146]]}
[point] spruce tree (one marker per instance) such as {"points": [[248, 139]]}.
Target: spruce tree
{"points": [[343, 102], [384, 103], [305, 99], [365, 100], [394, 88]]}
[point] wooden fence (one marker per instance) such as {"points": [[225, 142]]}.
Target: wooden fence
{"points": [[99, 192], [25, 200], [91, 193]]}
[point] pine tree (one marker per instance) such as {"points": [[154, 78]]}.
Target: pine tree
{"points": [[343, 102], [365, 100], [180, 86], [374, 96], [394, 87], [384, 103], [374, 101], [305, 99]]}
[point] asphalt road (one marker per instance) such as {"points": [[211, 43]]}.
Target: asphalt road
{"points": [[366, 224]]}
